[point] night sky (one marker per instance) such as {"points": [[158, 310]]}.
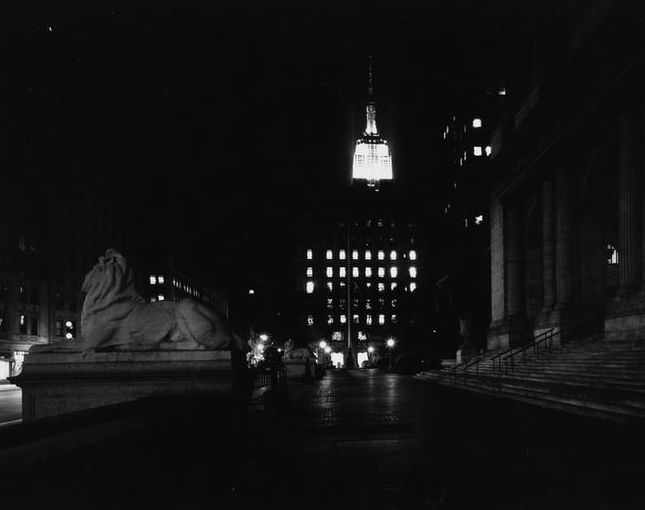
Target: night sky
{"points": [[230, 123]]}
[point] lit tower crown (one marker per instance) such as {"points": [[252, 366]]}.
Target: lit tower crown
{"points": [[372, 159]]}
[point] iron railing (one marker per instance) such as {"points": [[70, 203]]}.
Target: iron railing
{"points": [[505, 360]]}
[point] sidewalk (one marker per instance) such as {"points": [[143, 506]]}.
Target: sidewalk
{"points": [[361, 439]]}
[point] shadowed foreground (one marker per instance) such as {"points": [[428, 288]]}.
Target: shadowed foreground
{"points": [[355, 439]]}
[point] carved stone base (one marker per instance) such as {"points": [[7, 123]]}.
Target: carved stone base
{"points": [[57, 383], [299, 369], [508, 333], [625, 320]]}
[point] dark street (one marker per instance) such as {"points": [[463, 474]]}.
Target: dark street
{"points": [[361, 439]]}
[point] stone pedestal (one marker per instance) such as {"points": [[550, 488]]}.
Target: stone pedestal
{"points": [[299, 369], [55, 383], [508, 333], [625, 320]]}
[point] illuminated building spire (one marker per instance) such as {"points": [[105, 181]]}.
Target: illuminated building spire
{"points": [[372, 159], [370, 128]]}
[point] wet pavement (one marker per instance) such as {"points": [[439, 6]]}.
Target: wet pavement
{"points": [[352, 440], [364, 439], [10, 404]]}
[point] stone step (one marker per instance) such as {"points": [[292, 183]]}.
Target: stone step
{"points": [[575, 406], [616, 373], [612, 388]]}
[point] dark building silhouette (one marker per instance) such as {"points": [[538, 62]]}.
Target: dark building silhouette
{"points": [[564, 196]]}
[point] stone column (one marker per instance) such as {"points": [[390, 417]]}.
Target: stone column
{"points": [[629, 249], [548, 266], [513, 249], [563, 244], [497, 286]]}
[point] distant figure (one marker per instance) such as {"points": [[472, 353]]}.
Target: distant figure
{"points": [[115, 316]]}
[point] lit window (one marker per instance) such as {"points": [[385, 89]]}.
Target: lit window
{"points": [[413, 255], [330, 272], [381, 287], [368, 304], [368, 320], [393, 255], [477, 150], [413, 272], [368, 272], [368, 255], [394, 319], [310, 254], [329, 255], [310, 287], [343, 319], [368, 285], [330, 303], [341, 254], [337, 336], [501, 91], [477, 123], [330, 319], [342, 284], [479, 219], [381, 255], [394, 302], [252, 291], [381, 272], [381, 319], [355, 318], [153, 279], [22, 320], [393, 272], [488, 149], [160, 279], [153, 299], [310, 272], [612, 254], [342, 272], [413, 287], [355, 255], [393, 285], [330, 286], [355, 272], [161, 297], [310, 320]]}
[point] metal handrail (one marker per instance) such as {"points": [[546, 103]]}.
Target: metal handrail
{"points": [[500, 357], [542, 342]]}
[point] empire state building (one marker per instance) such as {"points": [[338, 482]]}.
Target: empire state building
{"points": [[372, 158]]}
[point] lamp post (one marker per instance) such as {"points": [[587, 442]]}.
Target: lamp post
{"points": [[390, 346], [321, 351]]}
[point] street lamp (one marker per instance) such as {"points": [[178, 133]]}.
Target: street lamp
{"points": [[390, 346], [321, 349]]}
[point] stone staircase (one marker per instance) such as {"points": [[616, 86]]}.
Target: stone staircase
{"points": [[599, 379]]}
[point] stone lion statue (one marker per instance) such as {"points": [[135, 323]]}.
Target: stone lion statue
{"points": [[300, 353], [115, 316]]}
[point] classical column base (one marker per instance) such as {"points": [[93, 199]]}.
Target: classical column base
{"points": [[466, 352], [557, 319], [508, 333], [625, 320]]}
